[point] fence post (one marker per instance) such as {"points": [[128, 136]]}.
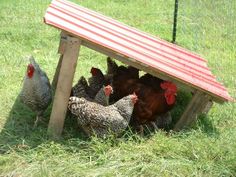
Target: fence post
{"points": [[175, 21]]}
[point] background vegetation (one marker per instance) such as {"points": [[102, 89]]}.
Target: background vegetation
{"points": [[207, 149]]}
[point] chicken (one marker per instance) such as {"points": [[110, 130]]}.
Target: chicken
{"points": [[36, 92], [100, 120], [133, 72], [154, 99], [152, 104], [95, 82], [111, 66], [81, 90], [163, 120], [151, 81], [103, 95], [114, 69], [122, 81]]}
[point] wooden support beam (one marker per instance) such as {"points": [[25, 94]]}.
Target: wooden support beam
{"points": [[61, 50], [55, 78], [63, 88], [200, 103]]}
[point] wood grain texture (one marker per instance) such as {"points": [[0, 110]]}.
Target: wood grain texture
{"points": [[200, 103], [63, 89]]}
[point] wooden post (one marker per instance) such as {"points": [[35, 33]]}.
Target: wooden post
{"points": [[63, 88], [61, 50], [55, 78], [200, 103]]}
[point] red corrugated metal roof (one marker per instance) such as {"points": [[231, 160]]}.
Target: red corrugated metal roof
{"points": [[157, 53]]}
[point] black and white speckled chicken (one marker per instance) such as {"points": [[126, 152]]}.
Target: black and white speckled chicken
{"points": [[81, 90], [103, 95], [36, 92], [95, 82], [100, 120]]}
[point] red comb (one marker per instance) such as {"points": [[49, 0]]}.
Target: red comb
{"points": [[94, 71], [170, 98], [108, 90], [30, 70], [167, 85], [170, 91], [134, 98]]}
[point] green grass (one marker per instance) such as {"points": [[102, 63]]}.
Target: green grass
{"points": [[207, 149]]}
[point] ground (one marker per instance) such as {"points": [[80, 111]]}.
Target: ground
{"points": [[208, 148]]}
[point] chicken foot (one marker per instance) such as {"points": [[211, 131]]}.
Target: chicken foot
{"points": [[140, 130]]}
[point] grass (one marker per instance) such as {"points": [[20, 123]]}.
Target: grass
{"points": [[206, 149]]}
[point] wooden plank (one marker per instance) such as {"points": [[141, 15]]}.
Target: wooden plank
{"points": [[208, 107], [55, 78], [61, 50], [63, 41], [63, 88], [200, 103]]}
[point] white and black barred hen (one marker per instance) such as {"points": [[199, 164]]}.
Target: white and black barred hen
{"points": [[81, 90], [100, 120], [36, 92], [95, 82]]}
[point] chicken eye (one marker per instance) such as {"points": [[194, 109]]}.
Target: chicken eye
{"points": [[74, 106]]}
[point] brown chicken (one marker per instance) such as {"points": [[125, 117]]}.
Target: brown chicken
{"points": [[123, 79], [152, 103], [96, 81], [156, 97], [152, 81]]}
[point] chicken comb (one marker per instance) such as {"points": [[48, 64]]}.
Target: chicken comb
{"points": [[30, 70], [167, 85], [170, 91], [94, 71], [134, 98], [108, 90]]}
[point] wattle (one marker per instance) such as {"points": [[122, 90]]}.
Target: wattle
{"points": [[170, 98]]}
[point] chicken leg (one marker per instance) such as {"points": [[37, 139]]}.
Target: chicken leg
{"points": [[154, 125], [39, 118]]}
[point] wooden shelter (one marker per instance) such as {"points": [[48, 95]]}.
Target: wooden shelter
{"points": [[81, 26]]}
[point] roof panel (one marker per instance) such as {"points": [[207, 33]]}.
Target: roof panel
{"points": [[166, 57]]}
